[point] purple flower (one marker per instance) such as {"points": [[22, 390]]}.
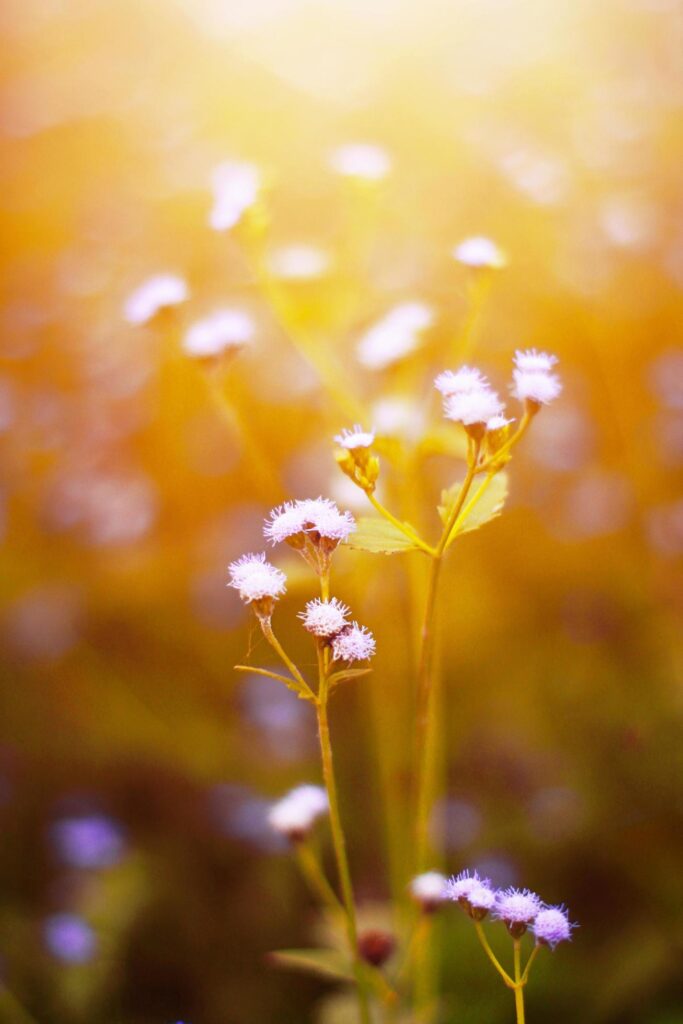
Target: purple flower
{"points": [[90, 841], [518, 909], [474, 894], [552, 925], [69, 938]]}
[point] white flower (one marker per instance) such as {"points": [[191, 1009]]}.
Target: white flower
{"points": [[498, 422], [361, 160], [285, 521], [466, 379], [322, 516], [395, 336], [356, 438], [299, 262], [354, 643], [294, 815], [324, 618], [220, 332], [428, 889], [531, 360], [536, 386], [156, 293], [398, 417], [256, 579], [479, 252], [469, 407], [235, 188]]}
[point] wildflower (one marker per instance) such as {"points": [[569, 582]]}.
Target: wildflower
{"points": [[294, 815], [463, 381], [313, 527], [474, 894], [156, 293], [395, 336], [473, 407], [355, 457], [89, 841], [299, 262], [69, 938], [353, 643], [498, 423], [235, 186], [224, 331], [518, 909], [375, 946], [324, 523], [533, 381], [361, 160], [356, 438], [286, 524], [259, 583], [428, 890], [551, 926], [480, 252], [324, 618]]}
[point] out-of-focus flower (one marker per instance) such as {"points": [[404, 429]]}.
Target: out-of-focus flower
{"points": [[428, 890], [376, 946], [89, 841], [395, 336], [533, 381], [480, 252], [226, 330], [43, 624], [156, 293], [259, 583], [236, 186], [551, 926], [299, 262], [463, 381], [361, 160], [517, 908], [324, 618], [295, 814], [398, 417], [356, 438], [110, 508], [69, 938], [354, 643], [473, 407], [539, 175]]}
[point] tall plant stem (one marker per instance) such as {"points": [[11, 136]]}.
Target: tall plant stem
{"points": [[315, 877], [481, 935], [267, 629], [519, 986]]}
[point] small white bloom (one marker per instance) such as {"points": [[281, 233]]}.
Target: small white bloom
{"points": [[354, 643], [471, 407], [428, 889], [536, 386], [235, 188], [395, 336], [223, 331], [322, 516], [156, 293], [466, 379], [255, 578], [356, 438], [533, 361], [299, 262], [398, 417], [498, 422], [480, 252], [361, 160], [294, 815], [324, 618], [285, 521]]}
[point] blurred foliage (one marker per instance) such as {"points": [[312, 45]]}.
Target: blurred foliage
{"points": [[554, 129]]}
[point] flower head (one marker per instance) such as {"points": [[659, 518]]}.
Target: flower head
{"points": [[533, 360], [286, 523], [259, 583], [324, 618], [473, 893], [498, 423], [533, 380], [294, 815], [517, 908], [353, 643], [322, 518], [361, 160], [428, 890], [473, 407], [552, 925], [356, 438], [462, 381], [395, 336], [480, 252], [156, 293], [235, 188], [223, 331]]}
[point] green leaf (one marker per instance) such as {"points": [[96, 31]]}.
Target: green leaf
{"points": [[326, 963], [484, 503], [347, 673], [290, 683], [380, 536]]}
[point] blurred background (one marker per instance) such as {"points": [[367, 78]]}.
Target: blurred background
{"points": [[139, 881]]}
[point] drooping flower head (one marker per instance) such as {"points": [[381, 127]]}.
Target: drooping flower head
{"points": [[236, 186], [295, 814], [428, 890], [480, 252], [259, 583], [533, 381], [474, 894], [156, 293], [353, 643], [517, 908], [361, 160], [325, 618], [551, 926], [226, 330]]}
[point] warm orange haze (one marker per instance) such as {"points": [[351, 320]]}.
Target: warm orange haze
{"points": [[241, 242]]}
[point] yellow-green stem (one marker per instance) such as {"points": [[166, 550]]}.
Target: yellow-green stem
{"points": [[315, 877], [11, 1010], [403, 527], [481, 935], [478, 293], [519, 987], [532, 957], [277, 646], [493, 460]]}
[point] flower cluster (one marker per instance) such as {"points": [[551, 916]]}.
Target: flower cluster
{"points": [[518, 909], [313, 527], [534, 381], [295, 814], [328, 621]]}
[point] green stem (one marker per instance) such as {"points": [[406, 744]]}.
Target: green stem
{"points": [[406, 530], [519, 987], [532, 957], [277, 646], [481, 935], [315, 876]]}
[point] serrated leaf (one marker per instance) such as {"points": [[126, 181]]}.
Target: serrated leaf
{"points": [[326, 963], [484, 503], [380, 537]]}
